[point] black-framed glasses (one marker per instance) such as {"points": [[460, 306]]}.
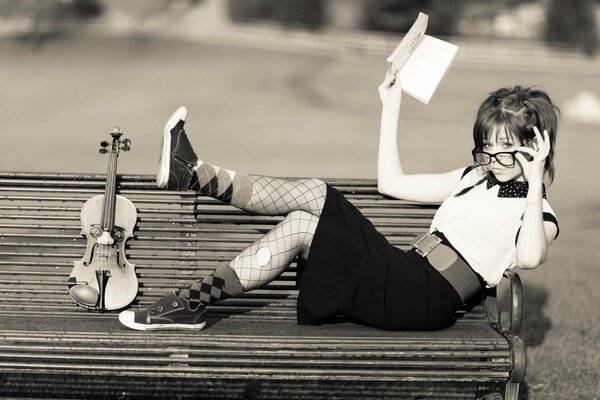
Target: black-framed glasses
{"points": [[504, 158]]}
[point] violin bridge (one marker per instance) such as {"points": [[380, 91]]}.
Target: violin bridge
{"points": [[106, 238]]}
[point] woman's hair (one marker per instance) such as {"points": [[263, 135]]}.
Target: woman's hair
{"points": [[516, 111]]}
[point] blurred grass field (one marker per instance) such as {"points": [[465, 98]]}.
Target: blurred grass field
{"points": [[286, 114]]}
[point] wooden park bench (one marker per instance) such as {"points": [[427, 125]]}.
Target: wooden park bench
{"points": [[253, 347]]}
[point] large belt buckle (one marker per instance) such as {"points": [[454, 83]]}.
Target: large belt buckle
{"points": [[425, 243]]}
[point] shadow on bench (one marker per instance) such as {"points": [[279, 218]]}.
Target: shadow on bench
{"points": [[253, 347]]}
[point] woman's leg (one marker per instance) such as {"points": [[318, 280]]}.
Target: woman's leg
{"points": [[280, 196], [254, 267], [301, 200], [180, 169], [262, 261], [263, 194]]}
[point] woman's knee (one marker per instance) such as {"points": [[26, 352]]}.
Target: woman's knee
{"points": [[303, 225], [304, 220], [315, 184], [318, 193]]}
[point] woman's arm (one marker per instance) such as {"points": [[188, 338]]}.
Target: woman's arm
{"points": [[391, 180], [535, 234]]}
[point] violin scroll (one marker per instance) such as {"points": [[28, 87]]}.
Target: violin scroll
{"points": [[116, 144]]}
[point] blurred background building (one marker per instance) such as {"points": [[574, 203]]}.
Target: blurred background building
{"points": [[571, 23]]}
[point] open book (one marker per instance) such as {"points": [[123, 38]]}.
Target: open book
{"points": [[422, 60]]}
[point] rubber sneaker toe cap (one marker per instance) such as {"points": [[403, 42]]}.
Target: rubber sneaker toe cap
{"points": [[127, 318]]}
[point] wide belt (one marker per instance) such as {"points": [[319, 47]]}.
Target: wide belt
{"points": [[453, 268]]}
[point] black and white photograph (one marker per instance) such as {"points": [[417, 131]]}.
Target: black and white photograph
{"points": [[299, 199]]}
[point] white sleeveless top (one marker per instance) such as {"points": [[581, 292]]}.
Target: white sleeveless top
{"points": [[483, 227]]}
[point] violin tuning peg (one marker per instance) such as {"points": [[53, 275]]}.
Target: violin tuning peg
{"points": [[103, 151], [126, 145], [104, 143]]}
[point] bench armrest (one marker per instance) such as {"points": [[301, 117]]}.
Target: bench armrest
{"points": [[507, 322], [511, 321]]}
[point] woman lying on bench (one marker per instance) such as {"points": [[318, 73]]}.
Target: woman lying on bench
{"points": [[494, 216]]}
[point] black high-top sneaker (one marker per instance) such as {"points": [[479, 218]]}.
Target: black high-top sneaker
{"points": [[169, 312], [177, 158]]}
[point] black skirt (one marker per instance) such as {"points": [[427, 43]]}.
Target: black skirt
{"points": [[353, 271]]}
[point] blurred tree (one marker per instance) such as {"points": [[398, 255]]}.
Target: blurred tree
{"points": [[54, 8], [37, 21], [85, 8], [573, 22], [512, 3], [306, 13], [398, 15]]}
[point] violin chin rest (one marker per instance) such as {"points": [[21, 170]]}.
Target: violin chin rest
{"points": [[84, 294]]}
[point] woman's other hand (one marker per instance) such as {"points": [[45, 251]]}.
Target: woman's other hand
{"points": [[390, 90], [533, 171]]}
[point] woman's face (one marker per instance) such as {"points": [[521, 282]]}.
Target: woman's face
{"points": [[501, 141]]}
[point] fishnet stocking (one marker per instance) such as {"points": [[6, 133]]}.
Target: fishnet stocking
{"points": [[291, 237], [277, 196]]}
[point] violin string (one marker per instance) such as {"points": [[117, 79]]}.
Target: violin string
{"points": [[111, 199], [106, 211], [113, 181], [104, 216]]}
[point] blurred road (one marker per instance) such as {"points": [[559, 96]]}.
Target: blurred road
{"points": [[250, 109], [298, 114]]}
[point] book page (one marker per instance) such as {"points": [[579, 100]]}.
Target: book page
{"points": [[422, 72], [422, 60]]}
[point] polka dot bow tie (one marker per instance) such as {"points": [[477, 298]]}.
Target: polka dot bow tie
{"points": [[512, 188]]}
